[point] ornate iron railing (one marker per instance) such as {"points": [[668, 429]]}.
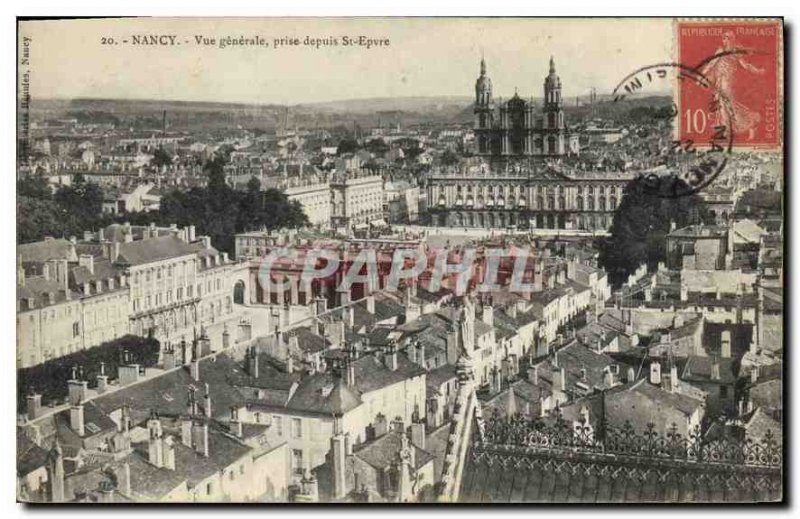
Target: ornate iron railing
{"points": [[519, 433]]}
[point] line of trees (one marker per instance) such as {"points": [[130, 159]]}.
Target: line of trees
{"points": [[219, 211], [216, 210], [49, 379]]}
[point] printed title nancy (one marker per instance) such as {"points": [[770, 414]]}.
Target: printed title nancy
{"points": [[170, 40]]}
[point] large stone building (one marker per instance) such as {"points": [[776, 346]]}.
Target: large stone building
{"points": [[356, 200], [525, 194], [123, 279], [314, 195]]}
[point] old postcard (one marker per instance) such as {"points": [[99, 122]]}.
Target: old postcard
{"points": [[400, 260]]}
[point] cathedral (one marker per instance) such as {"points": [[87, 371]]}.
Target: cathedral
{"points": [[516, 127], [520, 176]]}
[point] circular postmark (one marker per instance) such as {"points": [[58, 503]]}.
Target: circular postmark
{"points": [[687, 166]]}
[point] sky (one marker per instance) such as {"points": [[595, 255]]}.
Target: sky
{"points": [[424, 57]]}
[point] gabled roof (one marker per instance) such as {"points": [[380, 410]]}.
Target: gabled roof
{"points": [[324, 393], [385, 451]]}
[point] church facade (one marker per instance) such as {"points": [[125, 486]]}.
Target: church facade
{"points": [[519, 176], [517, 127]]}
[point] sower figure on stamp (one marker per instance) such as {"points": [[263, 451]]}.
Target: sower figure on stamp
{"points": [[720, 72]]}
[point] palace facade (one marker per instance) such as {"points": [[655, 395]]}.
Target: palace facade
{"points": [[526, 195]]}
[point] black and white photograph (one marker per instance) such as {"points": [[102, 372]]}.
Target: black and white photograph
{"points": [[400, 260]]}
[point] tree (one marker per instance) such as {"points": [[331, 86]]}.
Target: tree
{"points": [[641, 224], [347, 146], [34, 187], [37, 218], [449, 158], [377, 146], [161, 158], [50, 378]]}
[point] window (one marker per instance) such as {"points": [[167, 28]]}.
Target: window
{"points": [[75, 329], [241, 469], [297, 428], [723, 391], [279, 425], [297, 461], [209, 488], [232, 474]]}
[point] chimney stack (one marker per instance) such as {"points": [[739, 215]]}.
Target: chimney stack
{"points": [[608, 377], [200, 438], [55, 474], [559, 382], [655, 373], [194, 369], [155, 445], [533, 375], [169, 453], [252, 362], [102, 379], [76, 421], [34, 405], [339, 459], [236, 425], [186, 433], [207, 402], [390, 358], [715, 369], [488, 314], [351, 372]]}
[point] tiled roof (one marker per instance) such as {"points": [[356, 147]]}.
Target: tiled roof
{"points": [[154, 249], [324, 393], [39, 289], [29, 455], [384, 451], [103, 270], [698, 369], [41, 251]]}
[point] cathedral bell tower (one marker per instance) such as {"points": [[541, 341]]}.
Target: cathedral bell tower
{"points": [[553, 115], [484, 109]]}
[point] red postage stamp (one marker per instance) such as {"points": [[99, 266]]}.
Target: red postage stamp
{"points": [[739, 66]]}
